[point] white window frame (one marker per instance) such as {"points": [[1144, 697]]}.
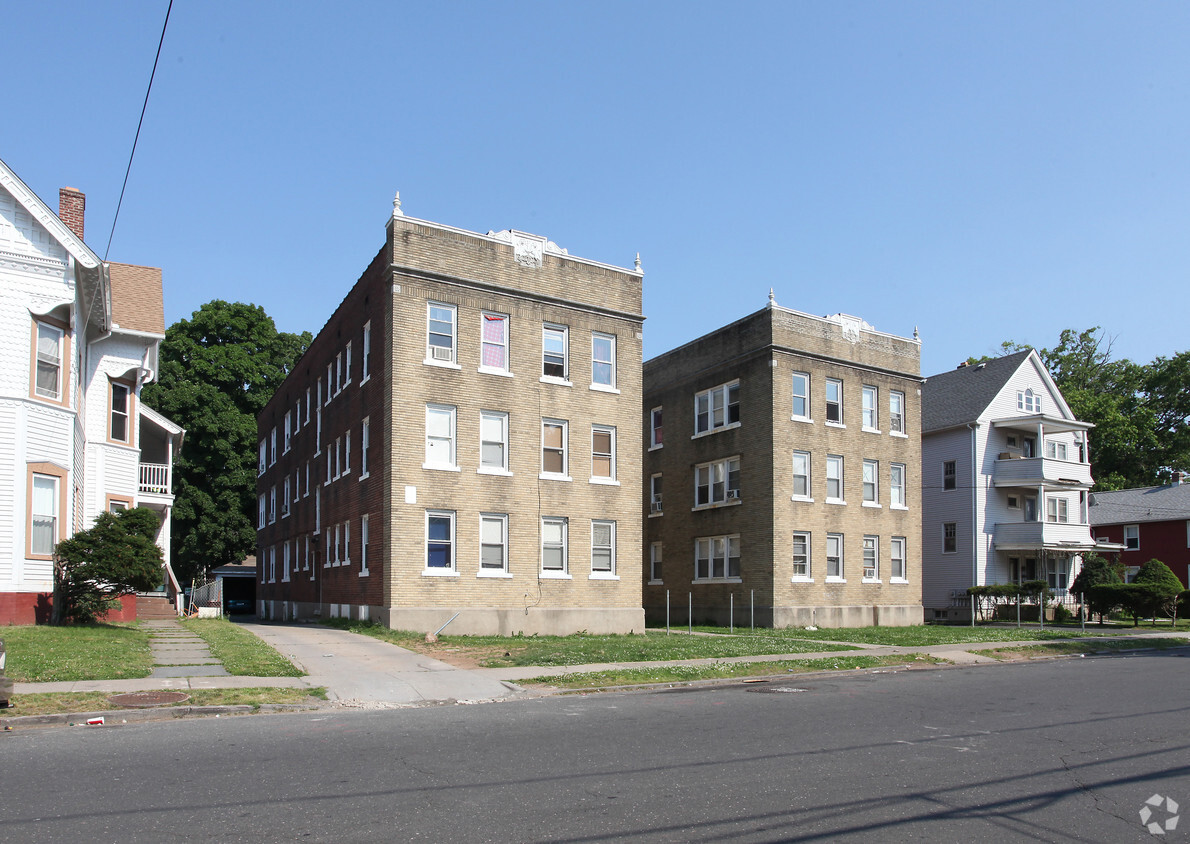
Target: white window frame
{"points": [[610, 384], [656, 428], [656, 497], [801, 394], [272, 505], [871, 483], [43, 360], [608, 573], [548, 357], [834, 473], [1057, 510], [435, 415], [338, 373], [896, 413], [288, 436], [500, 521], [714, 561], [717, 474], [365, 354], [273, 446], [487, 418], [262, 465], [714, 408], [121, 413], [1056, 450], [562, 524], [262, 514], [609, 479], [347, 364], [450, 543], [835, 561], [896, 486], [564, 425], [803, 571], [285, 498], [898, 561], [365, 435], [330, 383], [834, 385], [502, 345], [871, 572], [436, 321], [364, 539], [656, 559], [802, 469], [285, 561], [345, 560], [347, 452], [1028, 401], [869, 404]]}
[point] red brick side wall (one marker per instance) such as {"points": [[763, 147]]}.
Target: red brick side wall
{"points": [[35, 607], [1164, 541]]}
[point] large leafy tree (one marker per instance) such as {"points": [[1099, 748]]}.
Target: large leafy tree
{"points": [[218, 370], [117, 554]]}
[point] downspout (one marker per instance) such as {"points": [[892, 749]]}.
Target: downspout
{"points": [[974, 427]]}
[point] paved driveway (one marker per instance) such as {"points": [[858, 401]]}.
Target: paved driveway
{"points": [[364, 670]]}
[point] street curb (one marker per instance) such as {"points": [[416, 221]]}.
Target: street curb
{"points": [[114, 717]]}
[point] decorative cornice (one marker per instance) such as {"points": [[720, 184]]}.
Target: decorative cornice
{"points": [[32, 265], [40, 212]]}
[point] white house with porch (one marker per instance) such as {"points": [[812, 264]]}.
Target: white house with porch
{"points": [[1005, 481], [80, 338]]}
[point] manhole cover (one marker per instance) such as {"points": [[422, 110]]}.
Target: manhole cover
{"points": [[143, 700]]}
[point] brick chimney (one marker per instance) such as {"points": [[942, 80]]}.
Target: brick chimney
{"points": [[71, 204]]}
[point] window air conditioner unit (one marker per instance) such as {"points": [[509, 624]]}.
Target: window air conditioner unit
{"points": [[442, 353], [733, 495], [656, 505]]}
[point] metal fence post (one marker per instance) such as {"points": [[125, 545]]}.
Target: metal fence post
{"points": [[689, 612], [731, 611], [753, 611], [666, 612]]}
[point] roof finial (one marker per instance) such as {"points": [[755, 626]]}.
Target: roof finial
{"points": [[636, 264], [397, 212], [916, 335], [772, 298]]}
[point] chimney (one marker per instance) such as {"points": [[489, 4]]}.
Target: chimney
{"points": [[71, 204]]}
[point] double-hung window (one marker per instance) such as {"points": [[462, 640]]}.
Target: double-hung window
{"points": [[365, 434], [1056, 510], [553, 546], [718, 407], [949, 474], [554, 436], [440, 437], [555, 346], [1055, 450], [347, 364], [870, 420], [898, 572], [440, 541], [440, 332], [363, 545], [834, 478], [1131, 537], [43, 515], [717, 557], [47, 377], [365, 354], [801, 555], [871, 489], [272, 504], [717, 482], [288, 431], [834, 556], [896, 484], [896, 412], [285, 498], [655, 498], [493, 442], [121, 407], [801, 476], [801, 396], [871, 558], [834, 401], [493, 352], [603, 453], [655, 428], [950, 537], [493, 544], [272, 446], [603, 361], [262, 464], [1028, 401], [655, 555], [603, 548], [262, 512]]}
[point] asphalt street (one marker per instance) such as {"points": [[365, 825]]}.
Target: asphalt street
{"points": [[1065, 750]]}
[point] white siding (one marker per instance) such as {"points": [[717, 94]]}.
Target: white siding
{"points": [[942, 573]]}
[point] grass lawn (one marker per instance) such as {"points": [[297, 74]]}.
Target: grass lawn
{"points": [[66, 702], [581, 648], [241, 652], [725, 670], [920, 636], [43, 654], [1068, 648]]}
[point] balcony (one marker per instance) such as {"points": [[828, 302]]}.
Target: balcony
{"points": [[1052, 536], [154, 478], [1041, 471]]}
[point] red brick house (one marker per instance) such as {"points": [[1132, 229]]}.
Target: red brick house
{"points": [[1151, 522]]}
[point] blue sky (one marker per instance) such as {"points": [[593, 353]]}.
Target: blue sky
{"points": [[985, 171]]}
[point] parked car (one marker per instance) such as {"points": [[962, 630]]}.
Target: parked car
{"points": [[237, 606]]}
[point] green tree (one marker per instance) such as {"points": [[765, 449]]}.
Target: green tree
{"points": [[218, 370], [1165, 588], [117, 554], [1096, 570]]}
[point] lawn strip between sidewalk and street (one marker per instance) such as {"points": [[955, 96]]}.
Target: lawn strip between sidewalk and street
{"points": [[53, 703], [1097, 648]]}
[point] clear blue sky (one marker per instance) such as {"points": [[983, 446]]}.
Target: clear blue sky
{"points": [[986, 171]]}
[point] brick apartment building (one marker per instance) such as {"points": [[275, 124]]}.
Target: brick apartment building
{"points": [[780, 473], [462, 436]]}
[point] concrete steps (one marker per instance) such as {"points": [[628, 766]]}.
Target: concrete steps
{"points": [[154, 607]]}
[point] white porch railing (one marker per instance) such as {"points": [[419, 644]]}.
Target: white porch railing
{"points": [[154, 478]]}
